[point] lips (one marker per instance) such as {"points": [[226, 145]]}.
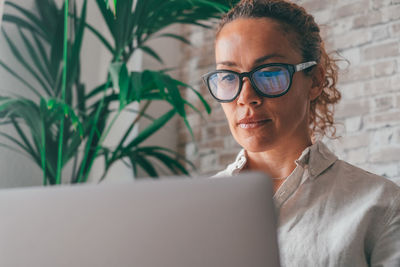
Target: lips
{"points": [[251, 123]]}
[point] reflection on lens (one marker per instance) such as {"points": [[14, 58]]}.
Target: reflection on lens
{"points": [[224, 85], [272, 80]]}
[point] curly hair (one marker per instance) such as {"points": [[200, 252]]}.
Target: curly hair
{"points": [[294, 18]]}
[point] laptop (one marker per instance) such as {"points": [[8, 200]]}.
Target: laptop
{"points": [[179, 222]]}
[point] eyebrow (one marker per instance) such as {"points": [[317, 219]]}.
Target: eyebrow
{"points": [[256, 62]]}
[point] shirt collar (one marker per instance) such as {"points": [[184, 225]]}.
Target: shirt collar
{"points": [[321, 158], [317, 156]]}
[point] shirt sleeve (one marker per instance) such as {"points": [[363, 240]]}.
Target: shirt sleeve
{"points": [[386, 252]]}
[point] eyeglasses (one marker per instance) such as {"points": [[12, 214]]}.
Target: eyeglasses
{"points": [[269, 80]]}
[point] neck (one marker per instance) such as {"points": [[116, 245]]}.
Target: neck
{"points": [[279, 161]]}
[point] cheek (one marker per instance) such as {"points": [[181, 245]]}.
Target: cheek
{"points": [[229, 111], [291, 108]]}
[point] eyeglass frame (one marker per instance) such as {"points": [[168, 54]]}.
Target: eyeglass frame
{"points": [[292, 69]]}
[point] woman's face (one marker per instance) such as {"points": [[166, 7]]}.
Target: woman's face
{"points": [[259, 123]]}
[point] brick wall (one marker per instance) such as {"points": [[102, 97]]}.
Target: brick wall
{"points": [[367, 33]]}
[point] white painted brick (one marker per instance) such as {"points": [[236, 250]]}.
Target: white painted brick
{"points": [[353, 55], [351, 91], [364, 20], [190, 150], [353, 124], [382, 138], [351, 108], [395, 29], [385, 68], [357, 156], [386, 154], [398, 101], [197, 38], [230, 143], [352, 8], [376, 87], [380, 33], [396, 180], [357, 73], [194, 119], [342, 26], [374, 121], [209, 162], [387, 170], [349, 142], [323, 16], [351, 39], [391, 12], [382, 103], [396, 139], [395, 83], [376, 4], [385, 50]]}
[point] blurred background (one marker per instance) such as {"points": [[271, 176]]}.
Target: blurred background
{"points": [[365, 32]]}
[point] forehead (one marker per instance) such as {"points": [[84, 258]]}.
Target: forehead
{"points": [[246, 39]]}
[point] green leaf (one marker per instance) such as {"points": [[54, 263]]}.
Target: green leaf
{"points": [[151, 129], [146, 165], [34, 56], [43, 55], [35, 22], [175, 36], [23, 24], [120, 79], [16, 142], [96, 91], [175, 95], [170, 162], [135, 93], [100, 37], [205, 104], [63, 110], [19, 78], [109, 19], [152, 53], [24, 63]]}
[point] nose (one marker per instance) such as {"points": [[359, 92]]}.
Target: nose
{"points": [[249, 96]]}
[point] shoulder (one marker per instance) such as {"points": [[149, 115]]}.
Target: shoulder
{"points": [[351, 187], [363, 180], [331, 171], [374, 198]]}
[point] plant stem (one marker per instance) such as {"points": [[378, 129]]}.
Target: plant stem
{"points": [[63, 88], [43, 150], [81, 178], [121, 143], [102, 138]]}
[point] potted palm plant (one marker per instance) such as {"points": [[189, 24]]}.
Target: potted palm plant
{"points": [[66, 122]]}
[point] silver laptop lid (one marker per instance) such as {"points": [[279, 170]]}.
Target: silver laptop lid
{"points": [[168, 223]]}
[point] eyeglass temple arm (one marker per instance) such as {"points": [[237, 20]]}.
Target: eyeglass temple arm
{"points": [[303, 66]]}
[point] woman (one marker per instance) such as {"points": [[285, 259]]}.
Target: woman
{"points": [[277, 86]]}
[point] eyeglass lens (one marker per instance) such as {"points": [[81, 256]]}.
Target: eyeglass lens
{"points": [[271, 80]]}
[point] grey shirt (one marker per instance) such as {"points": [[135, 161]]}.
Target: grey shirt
{"points": [[331, 213]]}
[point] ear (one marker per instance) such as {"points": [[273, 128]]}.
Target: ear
{"points": [[317, 81]]}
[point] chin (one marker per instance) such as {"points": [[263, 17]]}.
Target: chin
{"points": [[255, 145]]}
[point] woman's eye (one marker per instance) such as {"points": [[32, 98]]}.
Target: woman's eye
{"points": [[228, 77]]}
